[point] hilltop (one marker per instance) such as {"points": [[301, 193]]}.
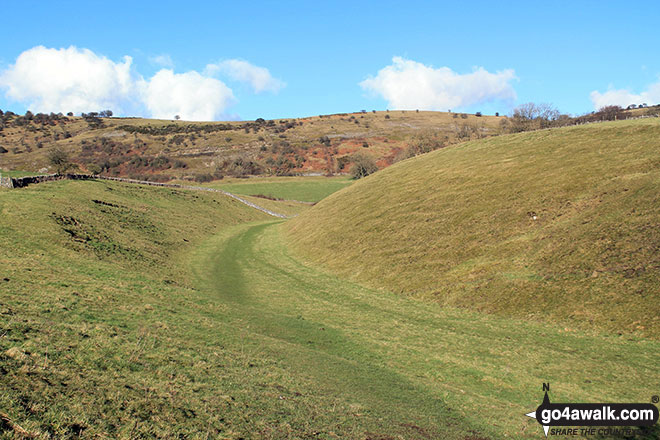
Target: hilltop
{"points": [[162, 150], [557, 225]]}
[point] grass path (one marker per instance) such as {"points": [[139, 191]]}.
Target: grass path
{"points": [[396, 367]]}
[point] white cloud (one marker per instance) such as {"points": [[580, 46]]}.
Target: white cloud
{"points": [[259, 78], [190, 95], [78, 80], [163, 60], [624, 98], [407, 84], [69, 79]]}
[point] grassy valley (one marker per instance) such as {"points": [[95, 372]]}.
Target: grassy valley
{"points": [[429, 300]]}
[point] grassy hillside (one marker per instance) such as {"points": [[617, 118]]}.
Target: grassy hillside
{"points": [[556, 225], [101, 325], [163, 150], [141, 312]]}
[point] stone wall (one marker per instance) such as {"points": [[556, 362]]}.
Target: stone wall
{"points": [[7, 182], [21, 182]]}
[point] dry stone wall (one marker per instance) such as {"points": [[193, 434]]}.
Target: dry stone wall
{"points": [[20, 182]]}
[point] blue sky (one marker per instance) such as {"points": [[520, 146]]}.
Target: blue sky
{"points": [[313, 58]]}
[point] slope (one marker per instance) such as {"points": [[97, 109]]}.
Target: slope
{"points": [[557, 225], [100, 321], [161, 150]]}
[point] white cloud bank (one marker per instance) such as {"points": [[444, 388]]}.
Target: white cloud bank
{"points": [[78, 80], [259, 78], [190, 95], [409, 85], [70, 79], [624, 98]]}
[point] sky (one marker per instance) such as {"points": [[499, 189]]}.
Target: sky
{"points": [[229, 60]]}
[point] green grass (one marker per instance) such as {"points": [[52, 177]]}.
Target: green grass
{"points": [[141, 312], [304, 189], [101, 325], [17, 173], [409, 368], [457, 226], [288, 208]]}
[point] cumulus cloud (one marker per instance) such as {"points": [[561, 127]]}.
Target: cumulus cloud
{"points": [[78, 80], [190, 95], [69, 79], [407, 84], [259, 78], [624, 97]]}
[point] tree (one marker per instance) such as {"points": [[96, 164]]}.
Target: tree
{"points": [[106, 114], [60, 160], [363, 165], [610, 113], [531, 111], [177, 117], [531, 116]]}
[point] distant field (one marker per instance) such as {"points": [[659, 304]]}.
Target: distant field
{"points": [[18, 173], [287, 208], [304, 189]]}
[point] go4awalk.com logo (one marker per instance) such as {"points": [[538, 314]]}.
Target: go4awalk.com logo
{"points": [[582, 419]]}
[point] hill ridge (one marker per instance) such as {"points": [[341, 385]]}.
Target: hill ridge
{"points": [[547, 225]]}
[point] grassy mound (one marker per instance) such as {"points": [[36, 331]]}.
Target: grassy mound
{"points": [[557, 225], [100, 323]]}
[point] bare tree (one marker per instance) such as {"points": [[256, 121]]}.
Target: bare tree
{"points": [[531, 116], [610, 112]]}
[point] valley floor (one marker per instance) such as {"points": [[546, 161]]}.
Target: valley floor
{"points": [[135, 312], [403, 367]]}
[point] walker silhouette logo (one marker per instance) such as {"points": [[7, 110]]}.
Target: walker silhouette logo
{"points": [[591, 415]]}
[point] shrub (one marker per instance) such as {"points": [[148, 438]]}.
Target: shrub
{"points": [[363, 165], [60, 160], [3, 150], [201, 178]]}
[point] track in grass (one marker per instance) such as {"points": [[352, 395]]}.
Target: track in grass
{"points": [[412, 369]]}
